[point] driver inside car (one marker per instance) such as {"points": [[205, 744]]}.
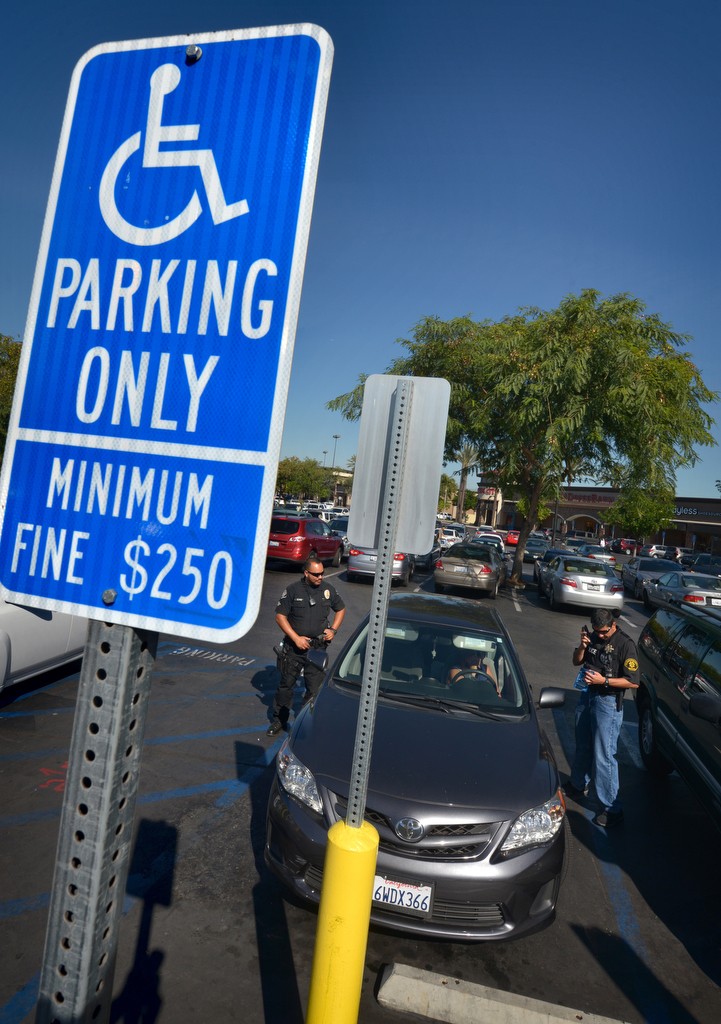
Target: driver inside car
{"points": [[473, 664]]}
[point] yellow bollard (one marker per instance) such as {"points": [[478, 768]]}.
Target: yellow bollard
{"points": [[343, 917]]}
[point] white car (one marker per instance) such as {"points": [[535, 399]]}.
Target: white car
{"points": [[34, 641]]}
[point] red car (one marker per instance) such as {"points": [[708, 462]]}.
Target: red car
{"points": [[512, 537], [296, 538]]}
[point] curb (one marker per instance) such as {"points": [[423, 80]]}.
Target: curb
{"points": [[454, 1001]]}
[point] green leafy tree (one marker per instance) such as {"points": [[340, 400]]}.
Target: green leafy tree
{"points": [[305, 478], [641, 512], [596, 388], [9, 360]]}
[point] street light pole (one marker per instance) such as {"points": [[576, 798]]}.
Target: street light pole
{"points": [[325, 452], [335, 481]]}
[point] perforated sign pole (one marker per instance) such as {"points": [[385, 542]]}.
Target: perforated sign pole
{"points": [[96, 826], [379, 602]]}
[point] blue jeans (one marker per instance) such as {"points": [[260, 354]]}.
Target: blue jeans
{"points": [[598, 725]]}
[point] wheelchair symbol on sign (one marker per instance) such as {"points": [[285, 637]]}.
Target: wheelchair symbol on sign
{"points": [[163, 81]]}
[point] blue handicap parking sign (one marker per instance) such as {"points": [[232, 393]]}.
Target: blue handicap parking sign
{"points": [[139, 473]]}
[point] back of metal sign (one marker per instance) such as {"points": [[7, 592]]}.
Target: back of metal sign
{"points": [[422, 461]]}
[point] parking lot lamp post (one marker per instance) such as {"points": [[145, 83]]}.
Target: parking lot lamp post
{"points": [[335, 444]]}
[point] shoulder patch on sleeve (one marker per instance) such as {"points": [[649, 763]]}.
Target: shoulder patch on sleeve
{"points": [[631, 664]]}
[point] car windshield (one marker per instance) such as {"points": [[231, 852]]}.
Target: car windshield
{"points": [[656, 565], [451, 667], [338, 524]]}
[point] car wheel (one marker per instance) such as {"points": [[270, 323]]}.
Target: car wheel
{"points": [[552, 602], [336, 558], [493, 594], [650, 754], [646, 602], [439, 588], [637, 591], [314, 555]]}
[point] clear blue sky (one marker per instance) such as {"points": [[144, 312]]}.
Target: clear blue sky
{"points": [[479, 156]]}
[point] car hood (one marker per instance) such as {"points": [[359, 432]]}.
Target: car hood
{"points": [[429, 757]]}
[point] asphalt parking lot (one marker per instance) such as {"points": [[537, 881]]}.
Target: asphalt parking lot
{"points": [[208, 935]]}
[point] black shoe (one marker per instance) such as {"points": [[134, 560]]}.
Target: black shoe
{"points": [[607, 819], [274, 728], [573, 791]]}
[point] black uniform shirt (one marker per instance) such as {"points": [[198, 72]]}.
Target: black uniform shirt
{"points": [[616, 658], [308, 608]]}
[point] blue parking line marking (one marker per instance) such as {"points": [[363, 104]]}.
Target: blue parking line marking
{"points": [[230, 789], [22, 1003]]}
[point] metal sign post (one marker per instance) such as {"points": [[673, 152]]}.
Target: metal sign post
{"points": [[96, 826], [388, 528], [403, 430]]}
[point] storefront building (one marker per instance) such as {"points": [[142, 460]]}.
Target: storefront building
{"points": [[696, 523]]}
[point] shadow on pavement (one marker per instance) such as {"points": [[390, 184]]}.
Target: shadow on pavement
{"points": [[151, 880], [641, 986], [279, 984]]}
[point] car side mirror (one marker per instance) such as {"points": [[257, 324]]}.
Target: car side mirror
{"points": [[551, 697], [706, 707], [317, 658]]}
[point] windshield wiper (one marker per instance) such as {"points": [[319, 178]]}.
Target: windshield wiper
{"points": [[443, 703]]}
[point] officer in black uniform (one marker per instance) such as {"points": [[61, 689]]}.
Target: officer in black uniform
{"points": [[610, 662], [303, 613]]}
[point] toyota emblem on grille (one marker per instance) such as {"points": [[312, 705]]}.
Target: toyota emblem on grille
{"points": [[409, 830]]}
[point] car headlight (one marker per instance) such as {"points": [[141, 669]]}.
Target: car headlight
{"points": [[296, 779], [537, 826]]}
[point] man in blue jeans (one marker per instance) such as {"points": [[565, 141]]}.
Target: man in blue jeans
{"points": [[610, 660]]}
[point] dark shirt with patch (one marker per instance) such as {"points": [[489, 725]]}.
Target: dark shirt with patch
{"points": [[616, 658], [308, 609]]}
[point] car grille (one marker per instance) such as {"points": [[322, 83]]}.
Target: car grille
{"points": [[481, 915], [442, 841]]}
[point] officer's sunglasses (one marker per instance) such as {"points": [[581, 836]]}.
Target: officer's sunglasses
{"points": [[311, 573]]}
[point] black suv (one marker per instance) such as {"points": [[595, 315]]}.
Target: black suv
{"points": [[679, 699]]}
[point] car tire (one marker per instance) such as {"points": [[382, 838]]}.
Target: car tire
{"points": [[637, 591], [651, 756], [336, 558], [493, 594], [439, 588], [646, 602], [552, 602]]}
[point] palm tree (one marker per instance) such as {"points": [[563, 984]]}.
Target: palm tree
{"points": [[468, 456]]}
